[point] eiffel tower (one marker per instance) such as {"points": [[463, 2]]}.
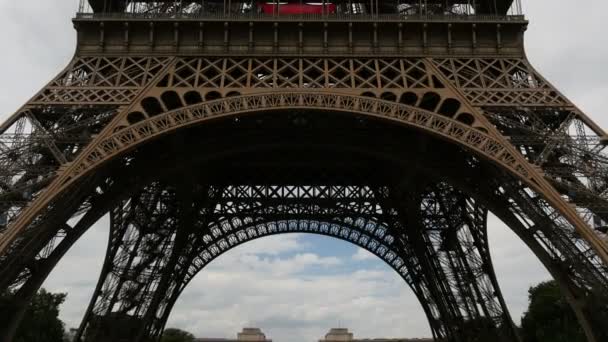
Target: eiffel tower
{"points": [[396, 125]]}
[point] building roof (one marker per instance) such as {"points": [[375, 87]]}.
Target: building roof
{"points": [[248, 334], [333, 335], [342, 335]]}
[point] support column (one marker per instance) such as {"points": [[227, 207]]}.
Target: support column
{"points": [[141, 238], [424, 277], [153, 236], [448, 232]]}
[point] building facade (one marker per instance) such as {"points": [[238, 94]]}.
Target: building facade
{"points": [[248, 334], [333, 335], [342, 335]]}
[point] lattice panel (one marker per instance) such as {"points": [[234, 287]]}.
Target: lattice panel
{"points": [[439, 124], [459, 245], [116, 72], [300, 73], [101, 80], [36, 145], [499, 82], [87, 96], [145, 288], [41, 140]]}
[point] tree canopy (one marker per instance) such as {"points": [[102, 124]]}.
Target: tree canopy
{"points": [[41, 321], [177, 335], [549, 317]]}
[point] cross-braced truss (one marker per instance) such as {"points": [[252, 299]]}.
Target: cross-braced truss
{"points": [[159, 243]]}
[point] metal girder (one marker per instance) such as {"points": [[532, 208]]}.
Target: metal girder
{"points": [[140, 292]]}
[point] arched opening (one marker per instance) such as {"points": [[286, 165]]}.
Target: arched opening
{"points": [[368, 94], [212, 95], [171, 100], [449, 107], [195, 138], [152, 106], [233, 94], [135, 117], [409, 98], [293, 286], [193, 97], [388, 96], [430, 101], [466, 118]]}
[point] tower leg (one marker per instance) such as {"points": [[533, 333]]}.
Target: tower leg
{"points": [[150, 238], [549, 237], [145, 306], [256, 217], [448, 230], [60, 236], [141, 237], [100, 195]]}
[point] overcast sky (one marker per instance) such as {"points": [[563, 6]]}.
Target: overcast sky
{"points": [[296, 287]]}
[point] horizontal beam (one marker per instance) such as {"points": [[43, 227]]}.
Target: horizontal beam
{"points": [[315, 37]]}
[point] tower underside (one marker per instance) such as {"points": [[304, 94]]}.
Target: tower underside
{"points": [[398, 132]]}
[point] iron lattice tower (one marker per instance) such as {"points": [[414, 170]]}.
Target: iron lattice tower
{"points": [[395, 125]]}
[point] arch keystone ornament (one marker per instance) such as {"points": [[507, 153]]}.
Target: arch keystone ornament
{"points": [[397, 126]]}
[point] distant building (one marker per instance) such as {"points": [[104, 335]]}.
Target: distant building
{"points": [[248, 334], [334, 335], [338, 334], [342, 335]]}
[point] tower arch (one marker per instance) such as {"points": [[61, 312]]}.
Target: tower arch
{"points": [[446, 311]]}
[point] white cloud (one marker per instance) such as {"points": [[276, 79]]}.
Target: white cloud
{"points": [[361, 255], [562, 42], [287, 266], [77, 273], [274, 245], [297, 306], [41, 40], [515, 265]]}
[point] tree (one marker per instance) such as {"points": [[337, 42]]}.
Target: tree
{"points": [[177, 335], [484, 329], [549, 317], [41, 321]]}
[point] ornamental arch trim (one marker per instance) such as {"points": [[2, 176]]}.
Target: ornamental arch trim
{"points": [[377, 242], [466, 132], [369, 224], [127, 134]]}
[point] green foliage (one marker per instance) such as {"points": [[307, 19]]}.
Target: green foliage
{"points": [[41, 320], [176, 335], [485, 330], [549, 317]]}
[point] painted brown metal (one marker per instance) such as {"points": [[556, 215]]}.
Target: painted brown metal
{"points": [[447, 100]]}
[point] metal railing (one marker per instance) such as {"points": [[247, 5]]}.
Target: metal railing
{"points": [[298, 17], [463, 10]]}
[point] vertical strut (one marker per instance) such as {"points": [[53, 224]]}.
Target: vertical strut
{"points": [[142, 235], [449, 230]]}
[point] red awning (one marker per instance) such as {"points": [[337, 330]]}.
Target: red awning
{"points": [[296, 8]]}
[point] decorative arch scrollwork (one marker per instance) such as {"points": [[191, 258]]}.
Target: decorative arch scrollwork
{"points": [[141, 292]]}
